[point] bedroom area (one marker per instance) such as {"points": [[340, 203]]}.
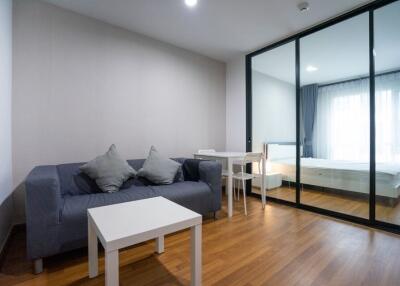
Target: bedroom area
{"points": [[325, 108]]}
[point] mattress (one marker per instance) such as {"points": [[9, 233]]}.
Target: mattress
{"points": [[342, 175]]}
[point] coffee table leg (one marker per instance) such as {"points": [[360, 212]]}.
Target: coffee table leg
{"points": [[160, 244], [93, 252], [112, 268], [196, 255]]}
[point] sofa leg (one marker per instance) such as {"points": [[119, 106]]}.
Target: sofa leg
{"points": [[38, 266]]}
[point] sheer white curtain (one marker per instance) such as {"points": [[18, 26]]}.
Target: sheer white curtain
{"points": [[341, 130], [387, 118]]}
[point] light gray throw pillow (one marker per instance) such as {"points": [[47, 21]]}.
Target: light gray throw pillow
{"points": [[109, 171], [158, 169]]}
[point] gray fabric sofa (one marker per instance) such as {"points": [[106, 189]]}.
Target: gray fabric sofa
{"points": [[57, 199]]}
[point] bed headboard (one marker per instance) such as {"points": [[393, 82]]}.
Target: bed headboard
{"points": [[281, 150]]}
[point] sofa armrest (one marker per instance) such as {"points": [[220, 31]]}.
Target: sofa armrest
{"points": [[43, 195], [210, 172], [43, 208]]}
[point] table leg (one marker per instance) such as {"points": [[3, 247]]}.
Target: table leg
{"points": [[196, 255], [93, 251], [160, 244], [263, 182], [112, 268], [229, 189]]}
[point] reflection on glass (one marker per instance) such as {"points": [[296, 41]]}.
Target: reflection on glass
{"points": [[387, 112], [335, 122], [274, 119]]}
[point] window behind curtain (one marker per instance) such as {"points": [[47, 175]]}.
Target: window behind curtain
{"points": [[341, 130]]}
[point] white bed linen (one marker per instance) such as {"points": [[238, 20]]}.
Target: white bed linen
{"points": [[386, 168], [342, 175]]}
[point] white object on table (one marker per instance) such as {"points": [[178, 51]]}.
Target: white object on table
{"points": [[230, 157], [122, 225]]}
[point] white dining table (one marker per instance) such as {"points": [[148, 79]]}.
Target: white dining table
{"points": [[230, 158]]}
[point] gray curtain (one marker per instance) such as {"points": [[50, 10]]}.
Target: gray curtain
{"points": [[308, 104]]}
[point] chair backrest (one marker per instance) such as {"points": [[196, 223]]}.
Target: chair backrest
{"points": [[206, 151], [252, 158]]}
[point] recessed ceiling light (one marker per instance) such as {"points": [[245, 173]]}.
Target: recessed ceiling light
{"points": [[191, 3], [311, 68]]}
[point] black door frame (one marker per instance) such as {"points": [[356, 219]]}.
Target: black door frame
{"points": [[371, 221]]}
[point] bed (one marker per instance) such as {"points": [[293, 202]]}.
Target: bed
{"points": [[346, 176]]}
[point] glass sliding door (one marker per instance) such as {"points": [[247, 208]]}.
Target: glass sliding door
{"points": [[315, 90], [274, 119], [387, 112], [335, 121]]}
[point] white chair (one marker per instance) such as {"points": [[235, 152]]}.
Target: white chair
{"points": [[242, 176]]}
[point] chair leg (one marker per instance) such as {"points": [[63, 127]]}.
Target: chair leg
{"points": [[244, 197], [233, 189], [238, 190], [226, 186], [38, 266]]}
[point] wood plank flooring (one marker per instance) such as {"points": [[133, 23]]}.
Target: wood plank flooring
{"points": [[278, 246], [351, 205]]}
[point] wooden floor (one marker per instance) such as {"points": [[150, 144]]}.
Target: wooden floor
{"points": [[342, 203], [279, 246]]}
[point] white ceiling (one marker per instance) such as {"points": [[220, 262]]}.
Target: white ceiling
{"points": [[340, 51], [220, 29]]}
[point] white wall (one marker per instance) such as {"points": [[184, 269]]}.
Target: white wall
{"points": [[6, 205], [81, 85], [271, 97], [236, 104], [274, 110]]}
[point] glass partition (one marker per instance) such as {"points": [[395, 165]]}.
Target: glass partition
{"points": [[387, 112], [274, 119], [314, 90], [335, 122]]}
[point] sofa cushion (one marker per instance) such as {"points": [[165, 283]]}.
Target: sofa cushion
{"points": [[109, 171], [136, 163], [191, 170], [73, 182], [159, 169], [85, 184], [196, 196]]}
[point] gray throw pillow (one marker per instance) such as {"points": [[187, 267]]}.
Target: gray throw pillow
{"points": [[109, 171], [158, 169]]}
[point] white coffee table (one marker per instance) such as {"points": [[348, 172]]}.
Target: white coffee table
{"points": [[122, 225]]}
